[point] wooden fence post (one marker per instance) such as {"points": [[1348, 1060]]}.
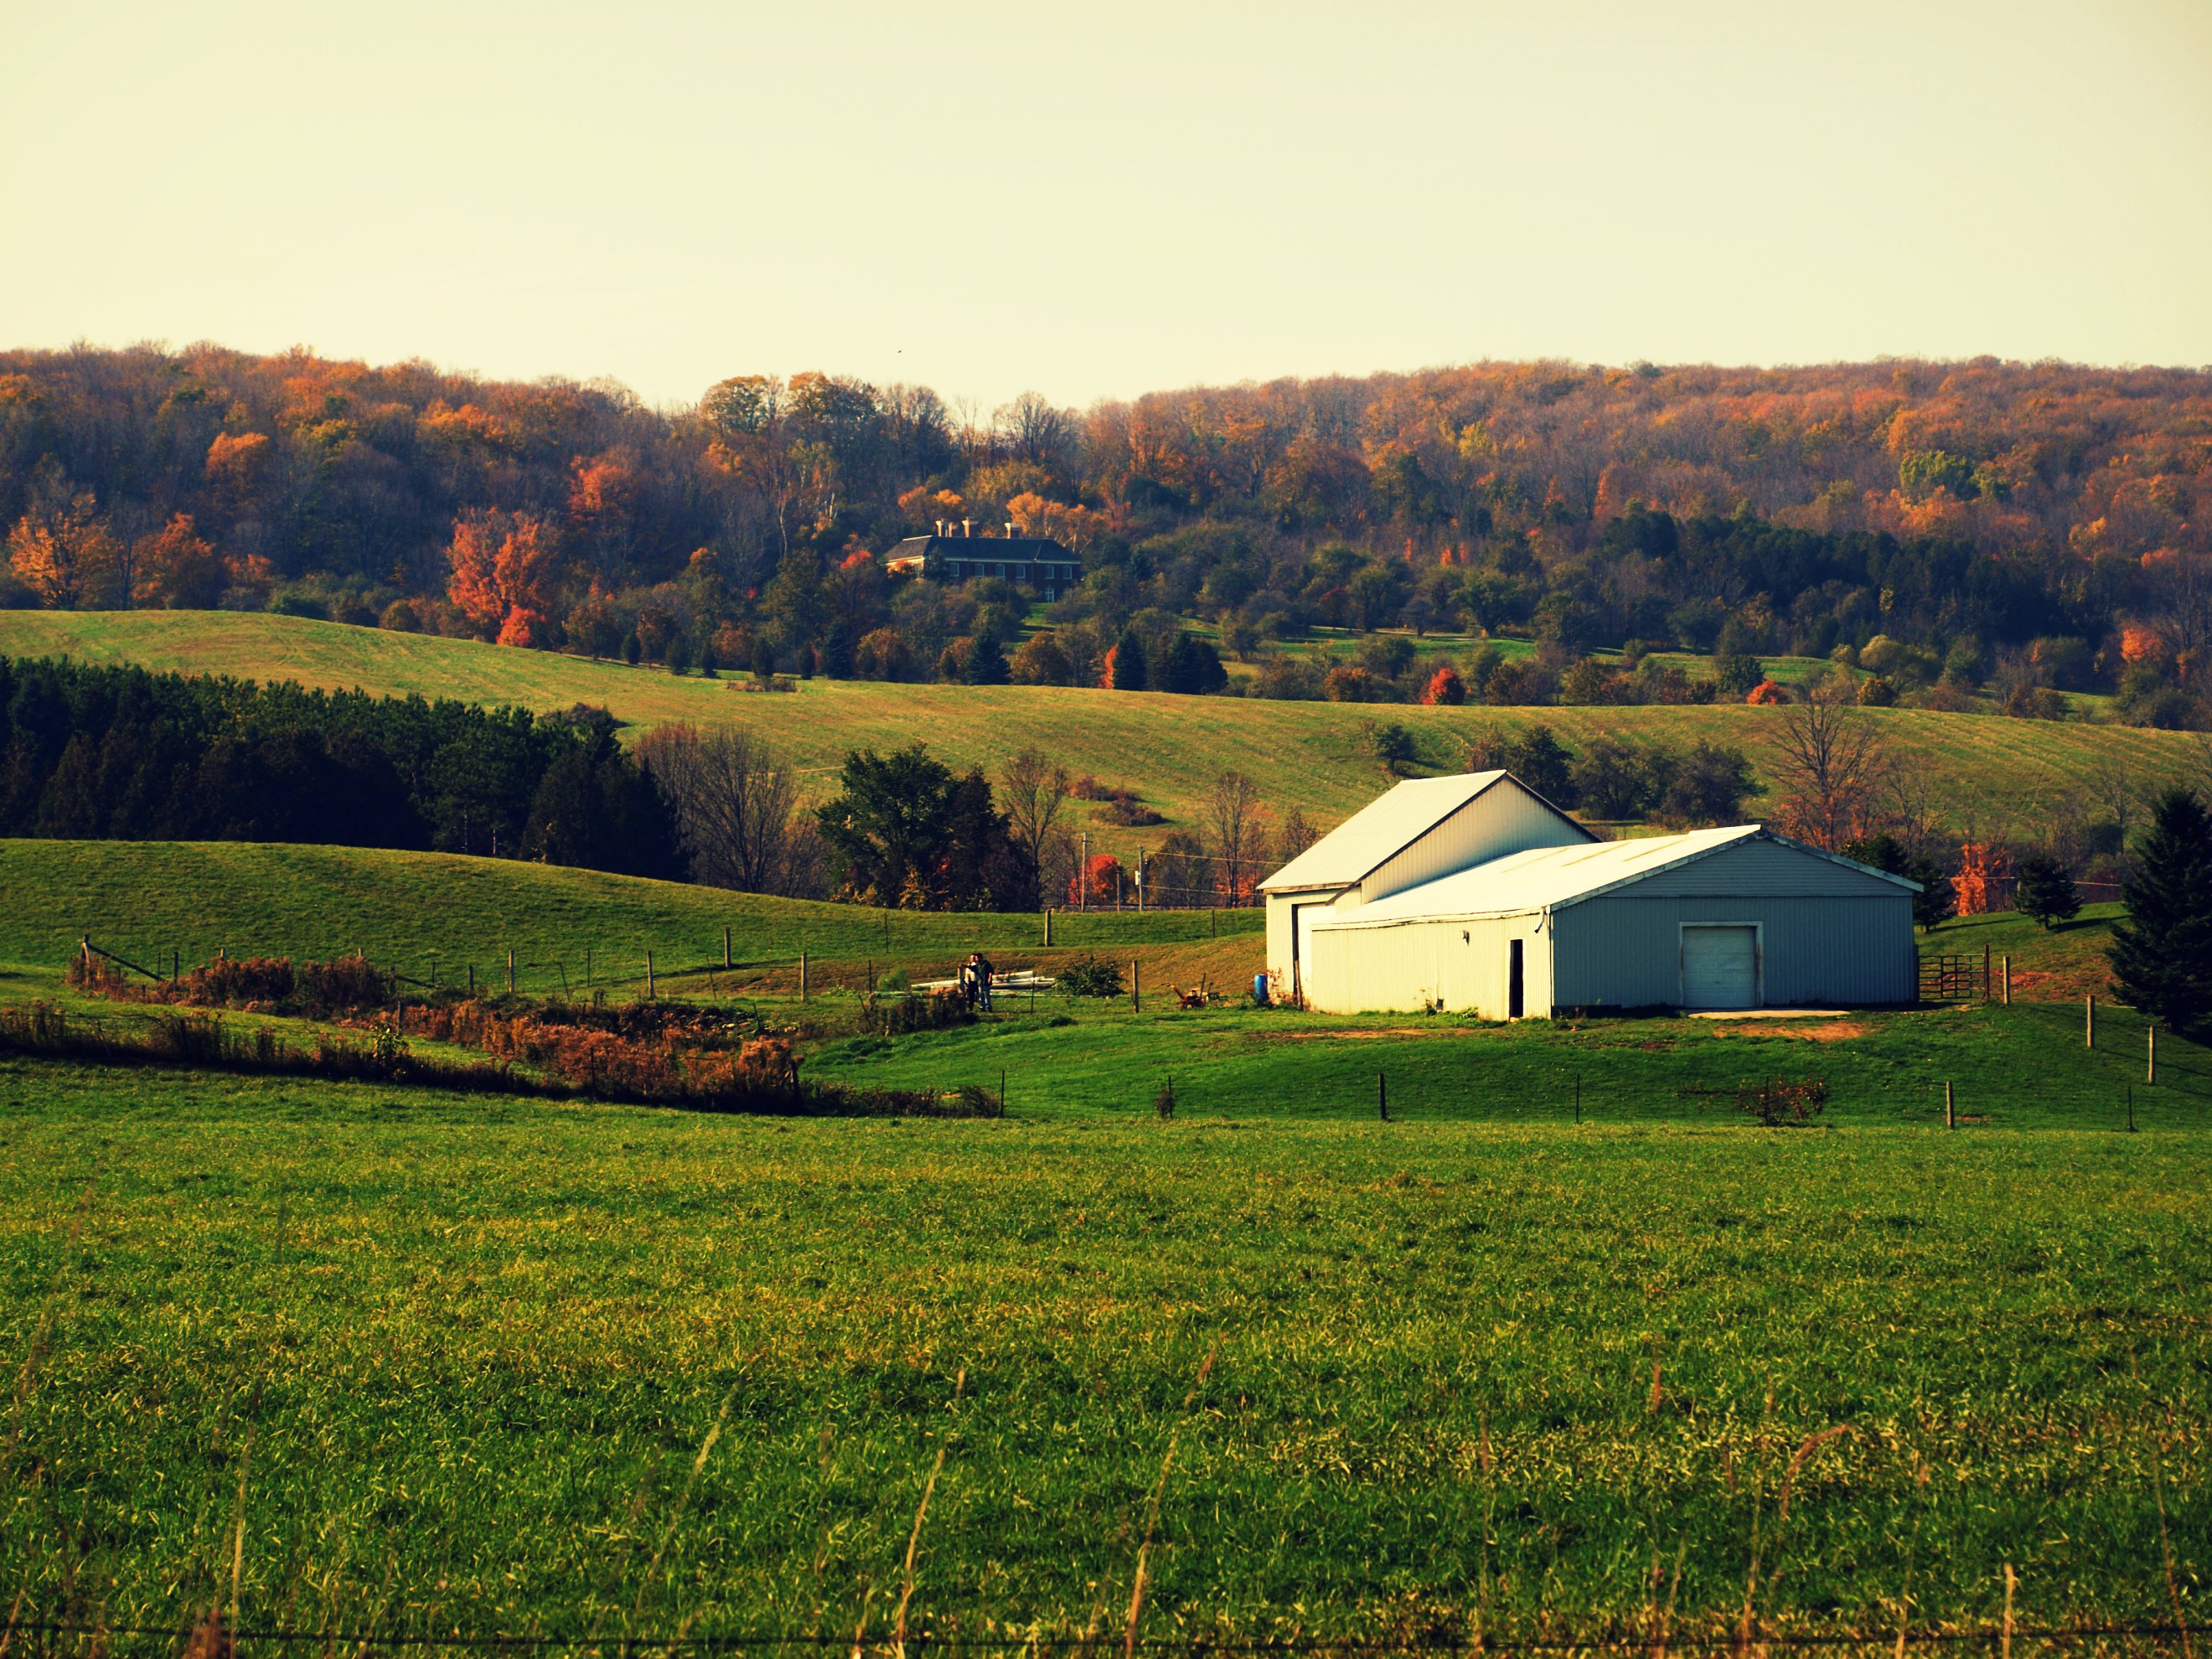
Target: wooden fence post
{"points": [[1950, 1115], [2089, 1022], [725, 947], [1048, 928], [648, 976], [472, 979], [1136, 1000], [2008, 979], [510, 970], [802, 975], [2151, 1074]]}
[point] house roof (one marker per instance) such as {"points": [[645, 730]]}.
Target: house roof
{"points": [[1037, 549], [1553, 878], [1385, 827]]}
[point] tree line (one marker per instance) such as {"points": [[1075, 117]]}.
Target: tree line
{"points": [[2041, 527], [121, 753]]}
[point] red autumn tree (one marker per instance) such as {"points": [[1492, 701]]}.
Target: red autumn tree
{"points": [[1446, 688], [505, 575], [1097, 882]]}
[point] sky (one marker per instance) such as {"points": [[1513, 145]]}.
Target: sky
{"points": [[1098, 202]]}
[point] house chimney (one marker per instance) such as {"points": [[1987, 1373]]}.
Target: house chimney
{"points": [[940, 526], [1009, 530], [966, 528]]}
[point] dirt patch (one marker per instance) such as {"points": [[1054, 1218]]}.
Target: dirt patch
{"points": [[1826, 1031]]}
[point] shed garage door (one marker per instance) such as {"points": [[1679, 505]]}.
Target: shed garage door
{"points": [[1720, 968]]}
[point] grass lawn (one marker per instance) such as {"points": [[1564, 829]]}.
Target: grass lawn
{"points": [[1316, 756], [487, 1367]]}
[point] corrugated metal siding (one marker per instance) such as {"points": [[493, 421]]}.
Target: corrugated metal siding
{"points": [[1464, 964], [1279, 941], [1754, 869], [1503, 818], [1624, 950]]}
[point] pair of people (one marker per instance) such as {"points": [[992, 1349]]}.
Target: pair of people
{"points": [[976, 980]]}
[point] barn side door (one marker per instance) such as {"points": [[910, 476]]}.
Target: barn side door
{"points": [[1516, 985]]}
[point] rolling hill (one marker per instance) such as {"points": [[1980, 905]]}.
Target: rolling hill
{"points": [[438, 914], [1993, 772]]}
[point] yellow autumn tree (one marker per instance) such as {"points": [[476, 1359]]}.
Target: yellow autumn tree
{"points": [[64, 553]]}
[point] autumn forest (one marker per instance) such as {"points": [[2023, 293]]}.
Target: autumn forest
{"points": [[2031, 528]]}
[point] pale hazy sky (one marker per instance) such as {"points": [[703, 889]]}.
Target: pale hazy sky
{"points": [[1101, 201]]}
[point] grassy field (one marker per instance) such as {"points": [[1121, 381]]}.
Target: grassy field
{"points": [[415, 1367], [1994, 772], [437, 914]]}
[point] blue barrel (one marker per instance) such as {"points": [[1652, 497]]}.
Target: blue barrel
{"points": [[1259, 989]]}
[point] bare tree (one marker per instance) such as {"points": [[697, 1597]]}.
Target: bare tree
{"points": [[2112, 780], [1293, 836], [1239, 826], [1033, 430], [1830, 764], [1031, 792], [734, 804]]}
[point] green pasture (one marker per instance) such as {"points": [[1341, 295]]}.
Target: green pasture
{"points": [[438, 914], [399, 1368], [410, 1368], [1988, 771]]}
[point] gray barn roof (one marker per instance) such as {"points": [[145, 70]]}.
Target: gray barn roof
{"points": [[1553, 878], [1036, 549], [1385, 827]]}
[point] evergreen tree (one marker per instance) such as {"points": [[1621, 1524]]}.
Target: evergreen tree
{"points": [[1193, 667], [2161, 955], [2046, 892], [837, 651], [986, 662], [1128, 674]]}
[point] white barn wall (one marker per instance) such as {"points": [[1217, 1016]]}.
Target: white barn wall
{"points": [[1367, 969], [1503, 818]]}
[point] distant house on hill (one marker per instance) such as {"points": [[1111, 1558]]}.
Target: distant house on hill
{"points": [[1034, 561], [1475, 894]]}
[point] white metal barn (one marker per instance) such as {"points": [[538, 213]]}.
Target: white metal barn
{"points": [[1424, 829], [1716, 918]]}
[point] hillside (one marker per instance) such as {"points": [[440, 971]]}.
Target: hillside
{"points": [[435, 914], [1994, 772]]}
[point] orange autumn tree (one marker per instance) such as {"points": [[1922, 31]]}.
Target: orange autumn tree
{"points": [[176, 570], [505, 575], [63, 552]]}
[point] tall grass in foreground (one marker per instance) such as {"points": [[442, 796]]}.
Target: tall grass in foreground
{"points": [[1524, 1380]]}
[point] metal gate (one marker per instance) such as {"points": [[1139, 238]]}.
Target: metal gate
{"points": [[1950, 979]]}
